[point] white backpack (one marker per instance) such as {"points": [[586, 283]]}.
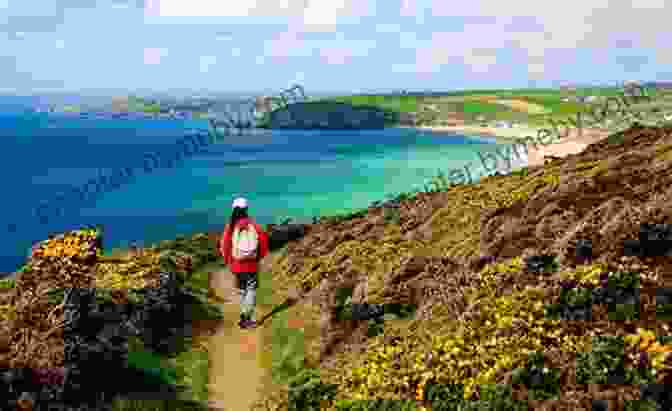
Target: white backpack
{"points": [[245, 243]]}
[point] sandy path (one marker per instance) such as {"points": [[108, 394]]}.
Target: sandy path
{"points": [[524, 106], [572, 144], [235, 369]]}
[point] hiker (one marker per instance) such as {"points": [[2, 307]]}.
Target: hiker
{"points": [[243, 244]]}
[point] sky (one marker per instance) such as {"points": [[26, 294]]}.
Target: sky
{"points": [[329, 45]]}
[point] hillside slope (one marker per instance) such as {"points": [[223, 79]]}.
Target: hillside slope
{"points": [[458, 255]]}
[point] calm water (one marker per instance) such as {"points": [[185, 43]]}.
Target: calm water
{"points": [[297, 174]]}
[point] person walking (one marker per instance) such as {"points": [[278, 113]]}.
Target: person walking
{"points": [[243, 244]]}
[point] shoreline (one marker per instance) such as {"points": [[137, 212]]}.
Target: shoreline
{"points": [[574, 142]]}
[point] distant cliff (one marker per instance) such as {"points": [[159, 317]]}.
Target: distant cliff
{"points": [[329, 115]]}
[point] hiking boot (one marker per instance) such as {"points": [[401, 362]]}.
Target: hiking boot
{"points": [[243, 319], [248, 324]]}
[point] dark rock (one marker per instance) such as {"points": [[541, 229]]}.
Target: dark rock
{"points": [[367, 311], [328, 115], [538, 263], [280, 235], [663, 296], [633, 248], [600, 405], [584, 249]]}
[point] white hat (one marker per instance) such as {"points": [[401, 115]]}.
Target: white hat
{"points": [[239, 202]]}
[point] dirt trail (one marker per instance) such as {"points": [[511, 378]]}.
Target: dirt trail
{"points": [[236, 373]]}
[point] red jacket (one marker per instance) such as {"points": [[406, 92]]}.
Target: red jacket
{"points": [[226, 249]]}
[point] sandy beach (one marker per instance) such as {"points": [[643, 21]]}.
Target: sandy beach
{"points": [[575, 141]]}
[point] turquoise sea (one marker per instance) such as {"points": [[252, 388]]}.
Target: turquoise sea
{"points": [[298, 174]]}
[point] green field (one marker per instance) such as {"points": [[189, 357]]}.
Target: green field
{"points": [[396, 103], [472, 111]]}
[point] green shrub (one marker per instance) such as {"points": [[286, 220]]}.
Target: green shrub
{"points": [[339, 218], [641, 405], [543, 383], [444, 397], [624, 279], [376, 405], [7, 283], [152, 365], [343, 307], [308, 393], [605, 364], [438, 183], [523, 172], [495, 397], [392, 215], [376, 327], [629, 281], [403, 196], [607, 354], [624, 312], [450, 397], [400, 310]]}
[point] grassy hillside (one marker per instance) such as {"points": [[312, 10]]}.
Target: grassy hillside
{"points": [[487, 331], [490, 104]]}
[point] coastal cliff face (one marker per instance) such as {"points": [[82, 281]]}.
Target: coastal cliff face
{"points": [[328, 115]]}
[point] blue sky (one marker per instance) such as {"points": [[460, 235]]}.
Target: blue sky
{"points": [[328, 45]]}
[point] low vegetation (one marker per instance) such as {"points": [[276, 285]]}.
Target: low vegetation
{"points": [[62, 262], [489, 331]]}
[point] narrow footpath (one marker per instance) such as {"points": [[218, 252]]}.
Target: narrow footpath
{"points": [[236, 371]]}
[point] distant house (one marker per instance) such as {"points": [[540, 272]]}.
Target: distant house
{"points": [[565, 99], [632, 88], [503, 124], [408, 118], [590, 99]]}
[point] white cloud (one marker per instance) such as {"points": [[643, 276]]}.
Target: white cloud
{"points": [[59, 44], [311, 15], [235, 52], [153, 7], [407, 8], [543, 31]]}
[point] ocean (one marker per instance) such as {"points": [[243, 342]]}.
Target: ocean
{"points": [[296, 174]]}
